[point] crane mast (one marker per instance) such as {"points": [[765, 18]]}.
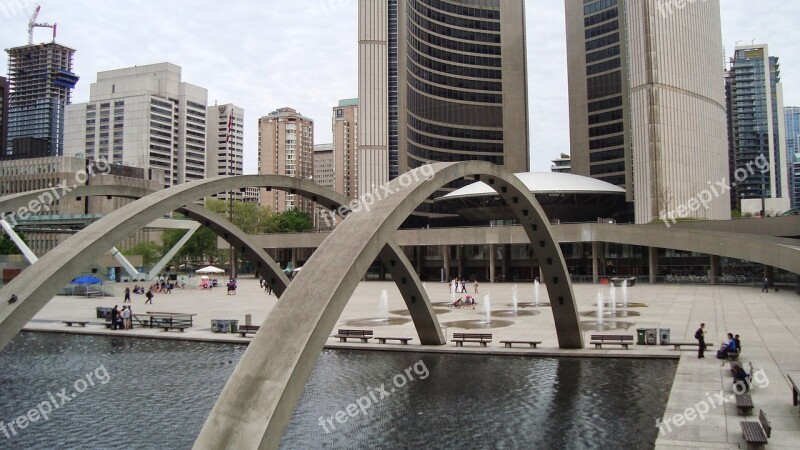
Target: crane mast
{"points": [[32, 24]]}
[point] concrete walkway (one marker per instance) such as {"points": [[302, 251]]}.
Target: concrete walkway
{"points": [[768, 325]]}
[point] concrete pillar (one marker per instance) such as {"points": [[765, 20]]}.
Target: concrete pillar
{"points": [[460, 260], [491, 263], [653, 261], [595, 261], [504, 261], [382, 271], [714, 270], [294, 258], [420, 259], [446, 263]]}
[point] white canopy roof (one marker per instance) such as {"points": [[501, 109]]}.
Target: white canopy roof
{"points": [[210, 269], [543, 183]]}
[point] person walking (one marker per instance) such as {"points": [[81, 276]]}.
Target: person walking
{"points": [[765, 288], [126, 318], [476, 286], [700, 335], [127, 295], [149, 296]]}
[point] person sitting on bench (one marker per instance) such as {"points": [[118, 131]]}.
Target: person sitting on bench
{"points": [[740, 376], [727, 347], [469, 301]]}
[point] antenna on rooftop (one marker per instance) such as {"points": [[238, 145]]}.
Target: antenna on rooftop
{"points": [[32, 24]]}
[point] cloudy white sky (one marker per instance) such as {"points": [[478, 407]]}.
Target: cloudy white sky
{"points": [[266, 54]]}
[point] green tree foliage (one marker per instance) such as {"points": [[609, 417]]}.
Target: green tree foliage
{"points": [[151, 252], [291, 221], [250, 217], [201, 247], [7, 246]]}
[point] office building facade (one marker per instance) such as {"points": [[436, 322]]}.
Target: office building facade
{"points": [[41, 83], [286, 147], [345, 148], [792, 114], [646, 114], [440, 81], [225, 155], [3, 114], [145, 117], [759, 131]]}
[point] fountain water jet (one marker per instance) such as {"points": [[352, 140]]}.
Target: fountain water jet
{"points": [[612, 299], [625, 294], [599, 308], [536, 292], [383, 306], [487, 309], [514, 299]]}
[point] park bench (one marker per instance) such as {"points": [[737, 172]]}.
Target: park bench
{"points": [[244, 329], [76, 322], [733, 355], [678, 345], [533, 344], [175, 326], [344, 334], [403, 340], [617, 339], [744, 403], [795, 391], [756, 433], [481, 338]]}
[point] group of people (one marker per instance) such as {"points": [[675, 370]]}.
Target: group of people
{"points": [[459, 285], [264, 285], [140, 290], [121, 319], [468, 301], [231, 287], [732, 344]]}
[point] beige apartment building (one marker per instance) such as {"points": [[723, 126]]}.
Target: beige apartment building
{"points": [[285, 147]]}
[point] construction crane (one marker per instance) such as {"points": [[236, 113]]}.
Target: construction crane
{"points": [[32, 24]]}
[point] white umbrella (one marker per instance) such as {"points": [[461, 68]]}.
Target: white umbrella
{"points": [[210, 269]]}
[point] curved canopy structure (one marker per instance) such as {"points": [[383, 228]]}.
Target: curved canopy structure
{"points": [[543, 183]]}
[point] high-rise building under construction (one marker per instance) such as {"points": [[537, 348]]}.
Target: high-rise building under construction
{"points": [[41, 82]]}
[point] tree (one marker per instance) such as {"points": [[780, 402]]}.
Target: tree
{"points": [[151, 252], [250, 217], [291, 221], [8, 247], [201, 247]]}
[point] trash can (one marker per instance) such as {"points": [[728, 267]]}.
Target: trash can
{"points": [[103, 312], [664, 334], [233, 326], [640, 333], [215, 326], [651, 336]]}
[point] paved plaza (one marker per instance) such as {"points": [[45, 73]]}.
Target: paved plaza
{"points": [[767, 323]]}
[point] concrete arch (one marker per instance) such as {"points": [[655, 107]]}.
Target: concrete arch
{"points": [[265, 265], [261, 395], [35, 290]]}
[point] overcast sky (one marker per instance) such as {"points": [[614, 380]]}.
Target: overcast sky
{"points": [[262, 55]]}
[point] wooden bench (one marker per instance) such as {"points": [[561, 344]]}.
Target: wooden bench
{"points": [[744, 403], [175, 326], [344, 334], [756, 433], [678, 345], [617, 339], [403, 340], [481, 338], [76, 322], [533, 344], [733, 356], [244, 329]]}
